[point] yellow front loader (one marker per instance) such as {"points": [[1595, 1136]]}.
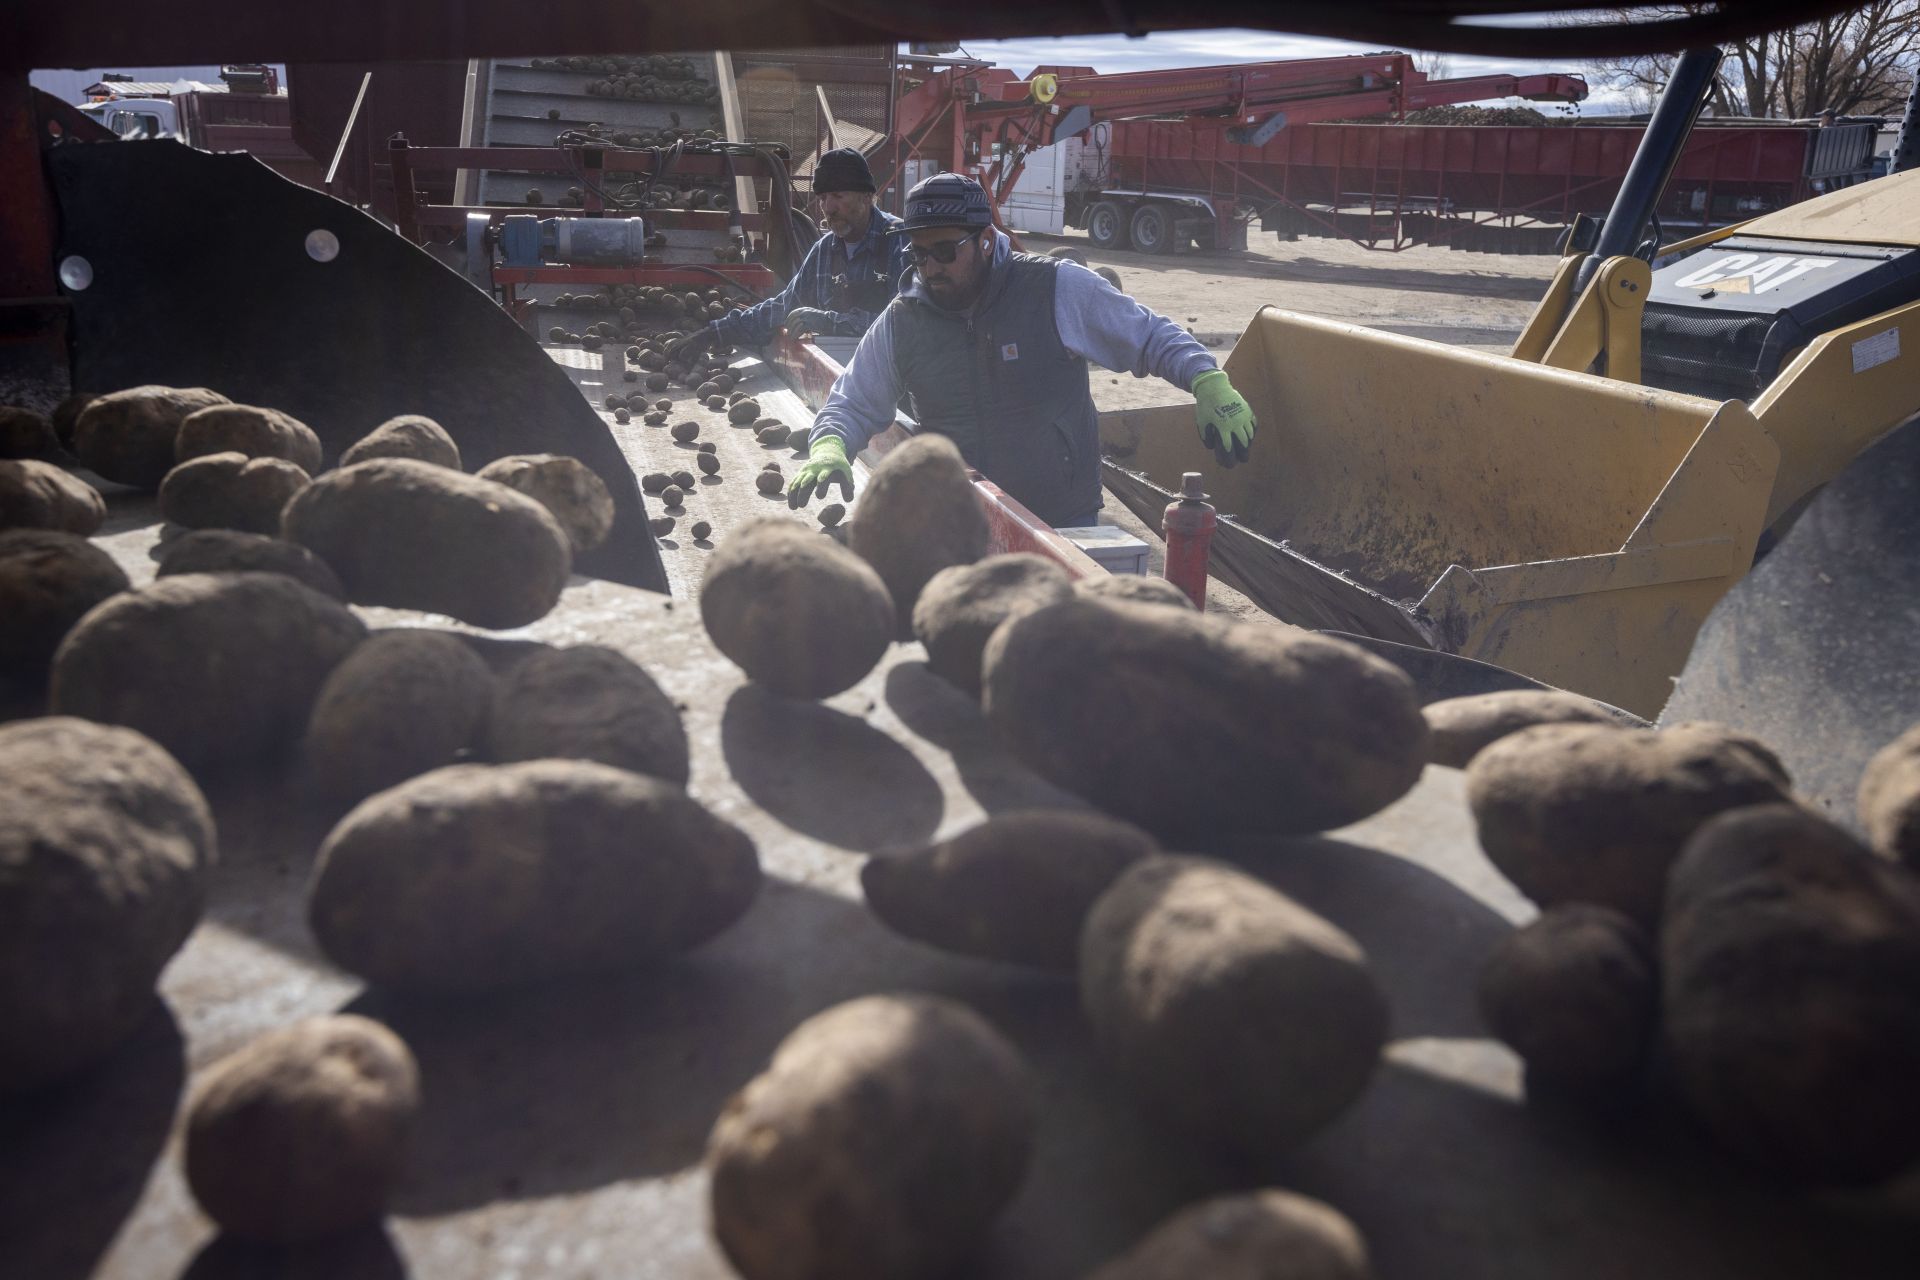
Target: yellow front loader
{"points": [[1571, 511]]}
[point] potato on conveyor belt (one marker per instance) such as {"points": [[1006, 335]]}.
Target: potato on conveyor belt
{"points": [[1890, 799], [1231, 1012], [800, 615], [302, 1133], [409, 534], [475, 877], [404, 703], [410, 435], [48, 581], [587, 703], [1259, 1235], [962, 605], [104, 846], [247, 429], [1575, 994], [218, 668], [231, 491], [128, 436], [1198, 727], [1463, 727], [918, 514], [1135, 587], [39, 495], [1594, 813], [1790, 963], [235, 551], [26, 433], [1016, 888], [66, 415], [566, 487], [879, 1144]]}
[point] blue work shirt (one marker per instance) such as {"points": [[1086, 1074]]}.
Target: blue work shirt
{"points": [[832, 272]]}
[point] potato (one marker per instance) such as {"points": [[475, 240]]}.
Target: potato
{"points": [[231, 491], [407, 533], [1197, 727], [740, 412], [1463, 727], [250, 430], [1890, 799], [1574, 994], [1790, 959], [1138, 588], [302, 1133], [918, 514], [403, 703], [234, 551], [39, 495], [587, 703], [127, 436], [1259, 1235], [961, 605], [218, 668], [566, 487], [48, 581], [104, 847], [1231, 1012], [800, 615], [480, 876], [66, 415], [26, 434], [1591, 813], [410, 435], [880, 1143], [1017, 887]]}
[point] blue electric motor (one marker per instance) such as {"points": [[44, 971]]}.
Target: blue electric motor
{"points": [[527, 241]]}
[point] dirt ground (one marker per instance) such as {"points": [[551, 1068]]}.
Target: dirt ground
{"points": [[1466, 299]]}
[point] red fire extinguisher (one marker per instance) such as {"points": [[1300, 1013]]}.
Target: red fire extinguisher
{"points": [[1188, 528]]}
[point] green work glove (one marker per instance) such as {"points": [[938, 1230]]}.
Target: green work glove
{"points": [[1226, 423], [826, 465], [802, 321]]}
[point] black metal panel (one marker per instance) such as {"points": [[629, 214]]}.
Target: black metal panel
{"points": [[1817, 651], [202, 278]]}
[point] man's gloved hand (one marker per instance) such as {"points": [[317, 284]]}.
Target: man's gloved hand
{"points": [[802, 321], [693, 345], [1225, 421], [826, 465]]}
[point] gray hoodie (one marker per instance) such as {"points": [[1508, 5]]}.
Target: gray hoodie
{"points": [[1096, 321]]}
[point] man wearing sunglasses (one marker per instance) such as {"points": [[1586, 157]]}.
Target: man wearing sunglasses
{"points": [[992, 348], [846, 279]]}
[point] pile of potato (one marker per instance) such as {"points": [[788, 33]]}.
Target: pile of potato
{"points": [[1692, 906]]}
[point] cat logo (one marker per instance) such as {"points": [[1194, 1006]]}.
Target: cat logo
{"points": [[1750, 273]]}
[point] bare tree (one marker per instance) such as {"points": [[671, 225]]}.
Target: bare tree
{"points": [[1438, 66], [1858, 61]]}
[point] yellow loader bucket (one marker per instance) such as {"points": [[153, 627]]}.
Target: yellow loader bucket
{"points": [[1568, 527]]}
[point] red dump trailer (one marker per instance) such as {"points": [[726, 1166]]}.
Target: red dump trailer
{"points": [[1510, 189]]}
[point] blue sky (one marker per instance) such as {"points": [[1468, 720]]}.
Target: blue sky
{"points": [[1113, 53]]}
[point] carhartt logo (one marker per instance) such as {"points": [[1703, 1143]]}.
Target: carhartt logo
{"points": [[1010, 352]]}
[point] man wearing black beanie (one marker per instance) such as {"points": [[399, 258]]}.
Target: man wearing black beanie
{"points": [[846, 279]]}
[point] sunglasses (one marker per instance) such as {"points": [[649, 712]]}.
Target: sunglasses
{"points": [[943, 252]]}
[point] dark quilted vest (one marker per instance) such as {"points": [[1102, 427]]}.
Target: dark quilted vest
{"points": [[1007, 391]]}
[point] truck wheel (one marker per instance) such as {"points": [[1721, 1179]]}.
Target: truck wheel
{"points": [[1152, 229], [1107, 226], [1068, 252]]}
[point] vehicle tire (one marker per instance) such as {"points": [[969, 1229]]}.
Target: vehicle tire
{"points": [[1152, 229], [1068, 252], [1107, 226], [1111, 276]]}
